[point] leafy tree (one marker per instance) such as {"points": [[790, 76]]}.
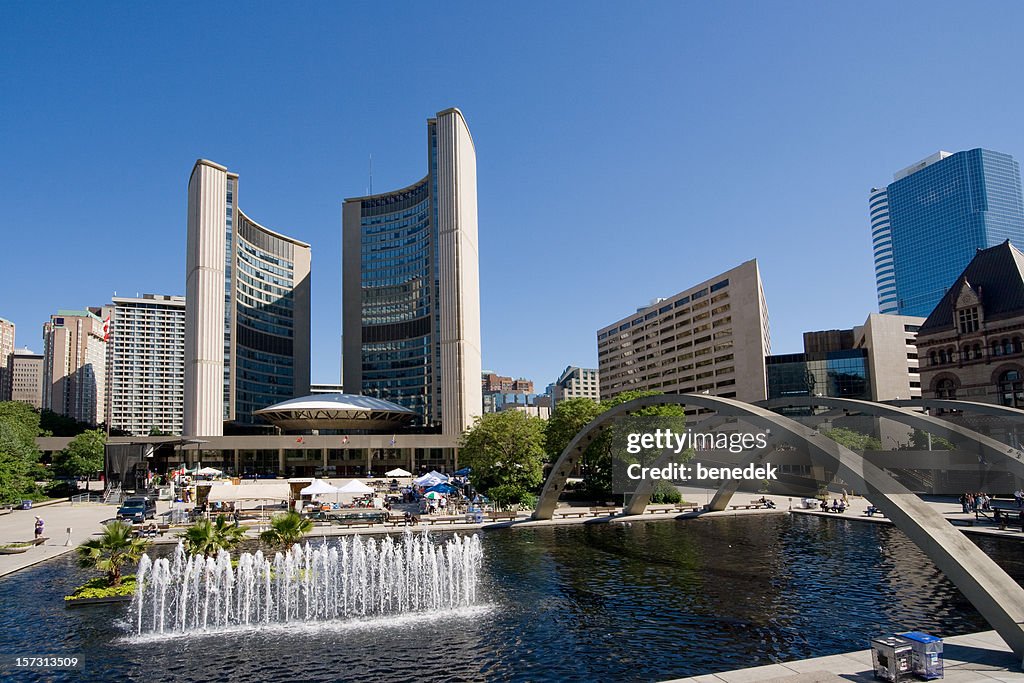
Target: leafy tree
{"points": [[115, 547], [286, 529], [83, 456], [568, 419], [19, 426], [664, 492], [855, 441], [156, 431], [506, 452], [919, 442], [55, 424], [207, 538]]}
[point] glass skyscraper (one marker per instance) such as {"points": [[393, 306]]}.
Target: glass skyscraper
{"points": [[410, 286], [928, 223], [247, 315]]}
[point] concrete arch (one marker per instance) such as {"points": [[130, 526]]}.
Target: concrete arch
{"points": [[992, 592], [992, 409], [990, 449]]}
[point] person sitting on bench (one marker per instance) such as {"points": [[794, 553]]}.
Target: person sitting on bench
{"points": [[835, 505], [824, 506], [870, 512]]}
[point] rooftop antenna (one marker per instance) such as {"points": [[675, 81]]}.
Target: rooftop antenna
{"points": [[369, 189]]}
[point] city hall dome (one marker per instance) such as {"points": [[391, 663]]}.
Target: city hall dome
{"points": [[337, 411]]}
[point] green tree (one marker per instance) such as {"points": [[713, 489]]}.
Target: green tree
{"points": [[568, 419], [855, 441], [919, 441], [286, 529], [506, 452], [156, 431], [207, 538], [19, 456], [115, 547], [83, 456]]}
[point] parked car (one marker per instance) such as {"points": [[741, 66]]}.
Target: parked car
{"points": [[137, 509]]}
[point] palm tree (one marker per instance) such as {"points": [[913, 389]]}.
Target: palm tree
{"points": [[286, 529], [207, 538], [116, 546]]}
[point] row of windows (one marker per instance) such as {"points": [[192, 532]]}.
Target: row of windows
{"points": [[969, 352]]}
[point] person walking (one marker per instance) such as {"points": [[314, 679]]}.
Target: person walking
{"points": [[40, 525]]}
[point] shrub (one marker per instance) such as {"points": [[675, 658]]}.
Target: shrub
{"points": [[98, 588], [665, 492]]}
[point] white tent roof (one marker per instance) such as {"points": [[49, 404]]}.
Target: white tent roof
{"points": [[355, 486], [210, 471], [431, 478], [318, 487], [399, 472]]}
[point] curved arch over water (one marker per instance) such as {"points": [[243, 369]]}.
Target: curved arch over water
{"points": [[992, 592]]}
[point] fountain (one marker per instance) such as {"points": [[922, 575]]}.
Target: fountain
{"points": [[355, 577]]}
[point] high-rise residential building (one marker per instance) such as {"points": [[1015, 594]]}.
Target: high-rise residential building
{"points": [[410, 287], [6, 351], [146, 364], [712, 338], [576, 382], [26, 373], [927, 224], [75, 365], [247, 311]]}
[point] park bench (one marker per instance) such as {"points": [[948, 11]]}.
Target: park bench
{"points": [[572, 513], [495, 516], [600, 511], [441, 520]]}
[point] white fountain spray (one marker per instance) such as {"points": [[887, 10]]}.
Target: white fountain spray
{"points": [[356, 577]]}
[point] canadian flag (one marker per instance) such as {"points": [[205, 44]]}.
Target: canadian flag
{"points": [[298, 440], [106, 328], [344, 440]]}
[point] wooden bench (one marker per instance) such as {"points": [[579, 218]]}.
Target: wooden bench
{"points": [[572, 513], [441, 520], [495, 516], [601, 511]]}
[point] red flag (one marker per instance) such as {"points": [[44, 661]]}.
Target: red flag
{"points": [[298, 440], [106, 328], [344, 440]]}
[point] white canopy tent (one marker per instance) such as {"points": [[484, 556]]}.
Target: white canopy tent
{"points": [[355, 486], [268, 492], [398, 472], [210, 472], [318, 487]]}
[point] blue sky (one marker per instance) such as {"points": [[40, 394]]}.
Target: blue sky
{"points": [[625, 151]]}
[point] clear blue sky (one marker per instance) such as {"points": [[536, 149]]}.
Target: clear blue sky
{"points": [[625, 151]]}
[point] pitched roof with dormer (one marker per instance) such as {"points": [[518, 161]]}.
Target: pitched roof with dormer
{"points": [[994, 279]]}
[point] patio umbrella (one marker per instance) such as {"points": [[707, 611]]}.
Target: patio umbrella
{"points": [[398, 472], [433, 495]]}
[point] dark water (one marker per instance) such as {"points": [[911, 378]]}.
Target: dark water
{"points": [[571, 603]]}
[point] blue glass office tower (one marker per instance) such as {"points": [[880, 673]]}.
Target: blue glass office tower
{"points": [[928, 223]]}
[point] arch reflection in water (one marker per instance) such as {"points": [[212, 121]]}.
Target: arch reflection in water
{"points": [[355, 577]]}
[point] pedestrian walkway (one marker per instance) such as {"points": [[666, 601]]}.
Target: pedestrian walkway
{"points": [[974, 658]]}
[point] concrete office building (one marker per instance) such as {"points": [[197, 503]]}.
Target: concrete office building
{"points": [[712, 337], [247, 309], [26, 373], [494, 383], [7, 330], [891, 345], [876, 361], [75, 365], [326, 389], [927, 224], [575, 382], [146, 364], [410, 287]]}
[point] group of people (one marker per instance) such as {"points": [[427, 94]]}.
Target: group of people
{"points": [[976, 502], [837, 505]]}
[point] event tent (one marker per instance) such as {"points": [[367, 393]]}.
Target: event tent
{"points": [[399, 472], [355, 486], [318, 487], [431, 478]]}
